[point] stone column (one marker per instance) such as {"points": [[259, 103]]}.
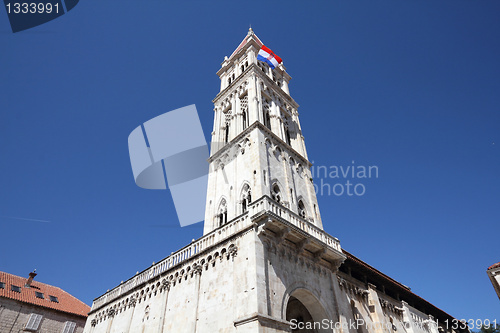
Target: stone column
{"points": [[216, 131], [111, 314], [132, 303], [197, 269], [238, 116], [234, 118], [165, 285], [375, 309], [407, 317], [252, 59], [285, 87], [345, 315], [253, 100], [276, 122]]}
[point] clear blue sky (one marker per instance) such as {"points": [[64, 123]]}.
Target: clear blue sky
{"points": [[409, 86]]}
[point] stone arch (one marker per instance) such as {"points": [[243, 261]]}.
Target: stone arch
{"points": [[221, 213], [245, 196], [222, 253], [302, 209], [276, 190], [301, 303]]}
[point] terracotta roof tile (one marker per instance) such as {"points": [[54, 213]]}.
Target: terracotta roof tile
{"points": [[494, 266], [66, 302]]}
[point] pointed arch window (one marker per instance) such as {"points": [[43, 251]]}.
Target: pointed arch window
{"points": [[226, 124], [244, 110], [226, 133], [222, 213], [246, 198], [302, 209], [267, 115], [275, 193], [287, 136]]}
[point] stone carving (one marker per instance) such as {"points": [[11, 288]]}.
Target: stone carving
{"points": [[232, 251], [165, 284], [342, 282], [399, 310], [197, 269], [318, 254], [111, 312], [93, 322], [280, 236], [336, 265], [133, 301], [300, 245]]}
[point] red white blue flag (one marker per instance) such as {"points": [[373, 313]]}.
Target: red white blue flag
{"points": [[268, 56]]}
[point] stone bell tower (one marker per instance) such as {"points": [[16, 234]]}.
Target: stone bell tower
{"points": [[264, 263], [257, 144], [264, 258]]}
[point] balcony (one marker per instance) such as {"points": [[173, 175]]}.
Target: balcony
{"points": [[265, 213]]}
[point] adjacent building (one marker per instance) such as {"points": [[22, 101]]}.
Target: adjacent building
{"points": [[264, 262], [27, 305], [494, 274]]}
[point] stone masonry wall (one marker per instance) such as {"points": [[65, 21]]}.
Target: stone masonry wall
{"points": [[14, 316]]}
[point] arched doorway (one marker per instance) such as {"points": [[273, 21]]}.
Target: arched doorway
{"points": [[298, 314], [306, 313]]}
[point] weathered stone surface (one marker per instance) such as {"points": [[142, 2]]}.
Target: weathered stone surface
{"points": [[264, 260]]}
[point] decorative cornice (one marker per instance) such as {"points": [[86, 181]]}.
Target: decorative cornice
{"points": [[254, 69], [270, 136]]}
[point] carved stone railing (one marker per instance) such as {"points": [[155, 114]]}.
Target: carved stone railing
{"points": [[241, 222], [267, 204], [175, 259]]}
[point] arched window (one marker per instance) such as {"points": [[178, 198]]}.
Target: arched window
{"points": [[275, 193], [244, 109], [287, 136], [222, 213], [302, 209], [267, 116], [268, 120], [246, 198], [226, 136]]}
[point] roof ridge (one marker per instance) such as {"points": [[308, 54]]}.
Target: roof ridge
{"points": [[494, 266]]}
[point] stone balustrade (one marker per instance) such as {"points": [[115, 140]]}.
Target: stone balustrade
{"points": [[264, 204]]}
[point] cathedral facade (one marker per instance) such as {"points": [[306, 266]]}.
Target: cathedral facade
{"points": [[264, 262]]}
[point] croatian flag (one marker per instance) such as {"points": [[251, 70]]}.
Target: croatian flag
{"points": [[266, 55]]}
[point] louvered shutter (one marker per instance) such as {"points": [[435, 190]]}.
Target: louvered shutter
{"points": [[37, 321], [69, 327], [33, 322]]}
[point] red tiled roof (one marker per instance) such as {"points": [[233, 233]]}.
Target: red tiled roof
{"points": [[404, 290], [67, 303], [494, 266], [243, 43]]}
